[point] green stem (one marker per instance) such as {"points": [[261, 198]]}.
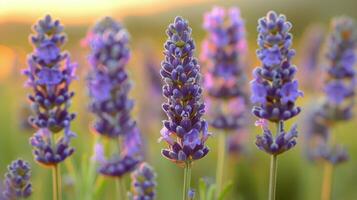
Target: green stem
{"points": [[56, 178], [274, 167], [273, 175], [187, 180], [121, 189], [220, 162], [326, 190]]}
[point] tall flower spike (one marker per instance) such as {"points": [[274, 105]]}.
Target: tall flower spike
{"points": [[223, 53], [109, 86], [184, 131], [17, 181], [274, 90], [143, 183], [340, 83], [50, 73]]}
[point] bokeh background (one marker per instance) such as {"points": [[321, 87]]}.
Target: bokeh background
{"points": [[146, 20]]}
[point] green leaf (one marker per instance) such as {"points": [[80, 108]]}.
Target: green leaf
{"points": [[211, 192], [202, 187], [225, 191]]}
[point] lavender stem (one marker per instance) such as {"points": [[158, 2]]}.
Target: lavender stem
{"points": [[220, 162], [56, 178], [121, 190], [326, 190], [274, 168], [273, 175], [187, 180]]}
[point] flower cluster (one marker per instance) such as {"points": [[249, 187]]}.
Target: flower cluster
{"points": [[274, 90], [281, 143], [223, 53], [50, 73], [109, 87], [341, 81], [339, 93], [317, 140], [185, 131], [17, 180], [143, 183]]}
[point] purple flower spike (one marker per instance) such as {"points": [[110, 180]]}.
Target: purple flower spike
{"points": [[223, 53], [185, 131], [341, 81], [274, 90], [339, 93], [50, 73], [109, 86], [17, 181], [50, 154], [282, 142], [143, 183], [108, 82], [334, 155]]}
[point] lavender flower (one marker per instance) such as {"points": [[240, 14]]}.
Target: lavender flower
{"points": [[274, 90], [282, 142], [317, 139], [223, 51], [191, 194], [109, 87], [143, 183], [341, 81], [184, 131], [339, 94], [335, 155], [17, 180], [50, 74]]}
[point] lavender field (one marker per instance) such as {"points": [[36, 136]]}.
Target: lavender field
{"points": [[178, 100]]}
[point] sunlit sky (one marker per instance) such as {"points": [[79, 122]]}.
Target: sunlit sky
{"points": [[79, 11]]}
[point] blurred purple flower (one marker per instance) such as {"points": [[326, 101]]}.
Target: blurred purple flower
{"points": [[223, 53], [109, 85], [185, 131], [341, 81], [143, 183], [339, 93], [336, 92], [17, 181], [334, 155], [50, 73]]}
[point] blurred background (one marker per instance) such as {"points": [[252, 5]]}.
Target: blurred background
{"points": [[146, 21]]}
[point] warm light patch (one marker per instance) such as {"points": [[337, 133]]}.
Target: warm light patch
{"points": [[7, 58]]}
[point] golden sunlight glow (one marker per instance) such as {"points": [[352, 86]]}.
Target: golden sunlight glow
{"points": [[79, 11], [6, 61]]}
